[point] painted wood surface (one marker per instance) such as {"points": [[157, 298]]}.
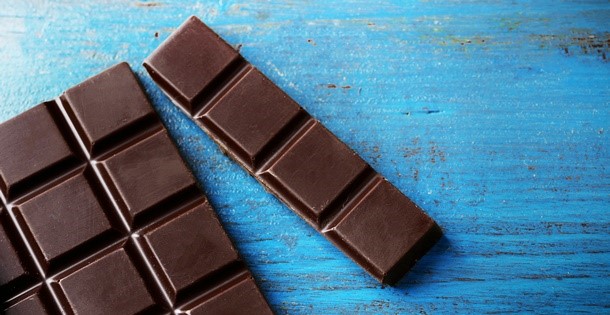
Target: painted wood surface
{"points": [[494, 116]]}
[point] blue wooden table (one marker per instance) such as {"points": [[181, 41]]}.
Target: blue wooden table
{"points": [[494, 116]]}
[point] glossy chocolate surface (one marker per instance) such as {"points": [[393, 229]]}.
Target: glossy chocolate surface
{"points": [[100, 215], [291, 153]]}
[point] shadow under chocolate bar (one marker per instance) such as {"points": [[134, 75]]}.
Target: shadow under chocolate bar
{"points": [[100, 215], [290, 153]]}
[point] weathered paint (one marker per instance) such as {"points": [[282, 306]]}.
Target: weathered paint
{"points": [[493, 115]]}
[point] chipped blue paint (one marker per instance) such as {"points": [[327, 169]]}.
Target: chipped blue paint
{"points": [[494, 116]]}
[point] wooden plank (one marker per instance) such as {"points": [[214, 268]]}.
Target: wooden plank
{"points": [[493, 116]]}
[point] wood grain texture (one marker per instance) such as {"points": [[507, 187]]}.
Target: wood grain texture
{"points": [[494, 116]]}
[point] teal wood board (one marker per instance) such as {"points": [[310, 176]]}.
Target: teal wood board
{"points": [[494, 116]]}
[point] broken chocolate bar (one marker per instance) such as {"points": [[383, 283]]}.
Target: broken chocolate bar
{"points": [[100, 215], [291, 153]]}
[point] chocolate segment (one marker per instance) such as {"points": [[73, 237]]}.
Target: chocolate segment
{"points": [[251, 127], [56, 233], [238, 297], [358, 230], [15, 272], [213, 55], [123, 107], [291, 153], [109, 284], [11, 264], [140, 188], [183, 261], [33, 149], [107, 218], [312, 171]]}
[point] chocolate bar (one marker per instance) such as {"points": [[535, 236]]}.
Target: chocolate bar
{"points": [[100, 215], [293, 155]]}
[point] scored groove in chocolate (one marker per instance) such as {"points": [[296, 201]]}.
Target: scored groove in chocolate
{"points": [[74, 225], [37, 301], [271, 151], [228, 77], [290, 153], [338, 208]]}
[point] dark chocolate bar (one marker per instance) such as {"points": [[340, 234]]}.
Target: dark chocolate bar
{"points": [[100, 215], [291, 153]]}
